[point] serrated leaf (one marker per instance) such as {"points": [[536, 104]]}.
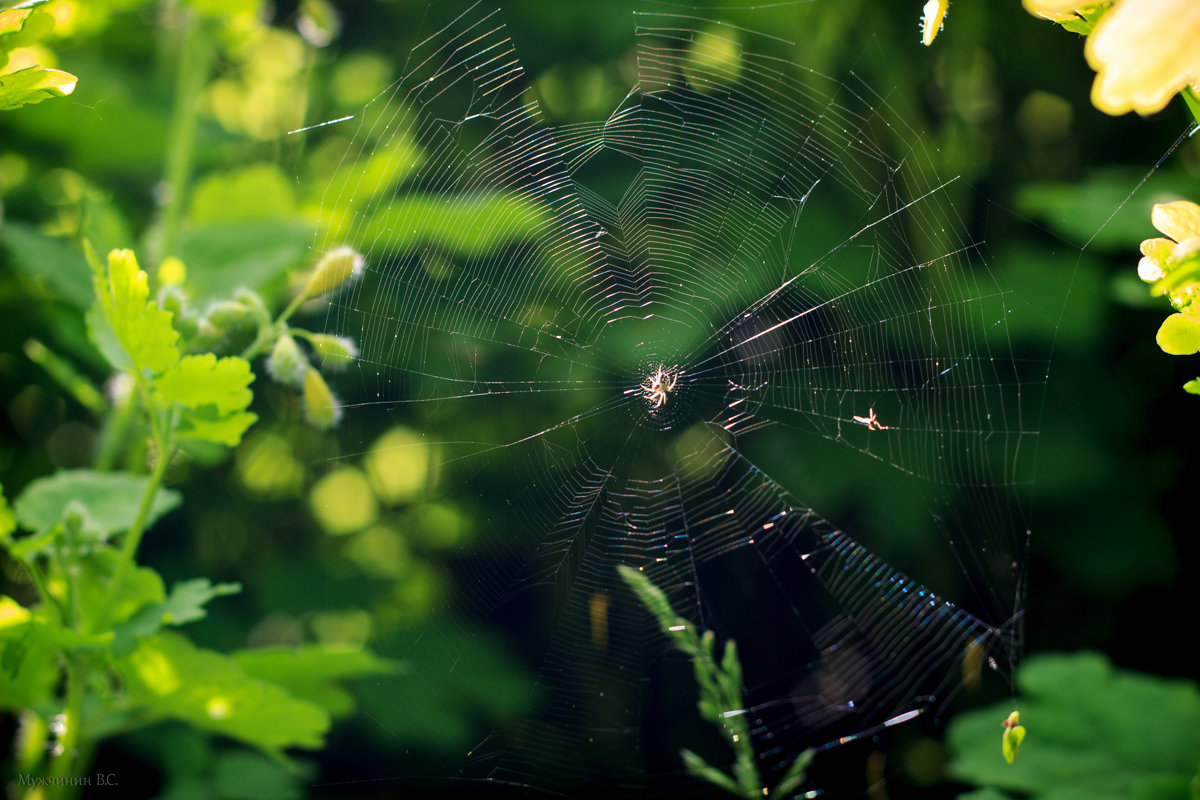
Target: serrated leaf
{"points": [[1179, 335], [33, 85], [313, 672], [214, 393], [111, 500], [203, 380], [98, 605], [185, 604], [168, 676], [142, 329]]}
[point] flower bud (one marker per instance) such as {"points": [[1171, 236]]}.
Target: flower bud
{"points": [[171, 272], [228, 315], [321, 408], [335, 351], [339, 265], [286, 364]]}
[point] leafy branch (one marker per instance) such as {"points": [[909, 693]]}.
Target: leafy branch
{"points": [[720, 703], [95, 655]]}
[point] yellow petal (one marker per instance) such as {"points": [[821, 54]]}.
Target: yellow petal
{"points": [[1053, 9], [1158, 249], [1149, 271], [1144, 51], [1180, 220]]}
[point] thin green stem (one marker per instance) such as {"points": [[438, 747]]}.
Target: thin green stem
{"points": [[133, 537], [195, 62], [66, 766], [115, 432], [267, 334]]}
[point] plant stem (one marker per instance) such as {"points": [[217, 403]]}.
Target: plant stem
{"points": [[133, 537], [267, 334], [66, 764], [195, 61]]}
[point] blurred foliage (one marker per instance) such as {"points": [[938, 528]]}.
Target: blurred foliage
{"points": [[1095, 732]]}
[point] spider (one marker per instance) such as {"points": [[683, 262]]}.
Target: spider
{"points": [[871, 421], [658, 385]]}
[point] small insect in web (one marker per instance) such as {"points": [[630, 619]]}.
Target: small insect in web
{"points": [[659, 384], [871, 421]]}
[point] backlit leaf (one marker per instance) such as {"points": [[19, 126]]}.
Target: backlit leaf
{"points": [[33, 85], [141, 328], [169, 676]]}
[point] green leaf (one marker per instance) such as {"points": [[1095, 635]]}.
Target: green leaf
{"points": [[168, 676], [697, 767], [1179, 335], [141, 328], [1192, 99], [33, 85], [185, 604], [96, 602], [214, 394], [255, 253], [8, 523], [1192, 386], [312, 672], [1100, 733], [1086, 18], [794, 777], [258, 191], [50, 261], [110, 499]]}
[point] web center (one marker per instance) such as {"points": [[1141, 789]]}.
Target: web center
{"points": [[659, 385]]}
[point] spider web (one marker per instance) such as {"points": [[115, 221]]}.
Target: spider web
{"points": [[777, 241]]}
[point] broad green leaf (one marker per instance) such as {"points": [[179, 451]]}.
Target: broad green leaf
{"points": [[1082, 211], [48, 260], [98, 606], [35, 627], [203, 380], [312, 672], [1099, 733], [256, 254], [142, 329], [28, 674], [214, 394], [33, 85], [1179, 335], [258, 191], [21, 18], [111, 500], [168, 676]]}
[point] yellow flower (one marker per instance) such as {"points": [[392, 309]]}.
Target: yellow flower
{"points": [[1179, 220], [1053, 9], [1143, 51]]}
